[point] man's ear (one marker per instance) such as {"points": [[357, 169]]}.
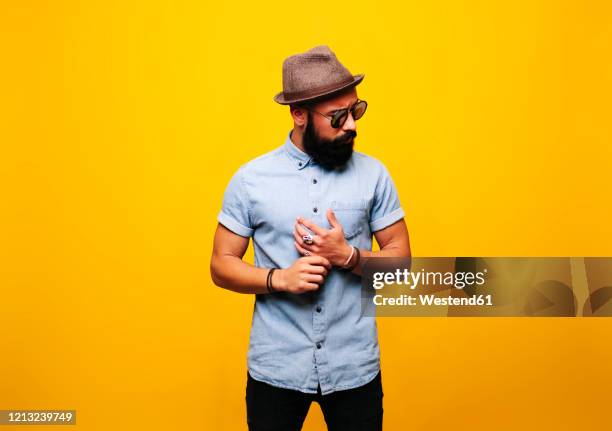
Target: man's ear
{"points": [[299, 114]]}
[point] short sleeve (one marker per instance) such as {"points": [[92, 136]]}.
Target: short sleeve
{"points": [[234, 213], [386, 208]]}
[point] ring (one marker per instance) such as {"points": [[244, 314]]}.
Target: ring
{"points": [[307, 239], [307, 253]]}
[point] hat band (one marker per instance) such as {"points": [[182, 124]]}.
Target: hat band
{"points": [[318, 90]]}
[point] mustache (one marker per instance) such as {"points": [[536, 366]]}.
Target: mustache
{"points": [[347, 137]]}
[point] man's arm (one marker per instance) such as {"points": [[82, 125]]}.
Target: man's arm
{"points": [[393, 242], [229, 271], [227, 268], [331, 243]]}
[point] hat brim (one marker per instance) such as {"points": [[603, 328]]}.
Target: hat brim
{"points": [[280, 98]]}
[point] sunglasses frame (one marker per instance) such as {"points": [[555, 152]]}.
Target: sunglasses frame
{"points": [[343, 113]]}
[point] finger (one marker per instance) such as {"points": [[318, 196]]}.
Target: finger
{"points": [[331, 218], [315, 239], [311, 286], [314, 278], [299, 237], [319, 260], [300, 230], [312, 226], [302, 250], [300, 241], [317, 269], [303, 232]]}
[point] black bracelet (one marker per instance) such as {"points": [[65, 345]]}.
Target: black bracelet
{"points": [[269, 281], [349, 269]]}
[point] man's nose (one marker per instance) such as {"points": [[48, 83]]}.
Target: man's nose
{"points": [[349, 124]]}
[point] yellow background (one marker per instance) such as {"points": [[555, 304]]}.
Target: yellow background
{"points": [[121, 123]]}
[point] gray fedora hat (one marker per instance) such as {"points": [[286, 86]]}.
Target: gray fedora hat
{"points": [[313, 74]]}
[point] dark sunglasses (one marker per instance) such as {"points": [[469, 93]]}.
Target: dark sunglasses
{"points": [[340, 116]]}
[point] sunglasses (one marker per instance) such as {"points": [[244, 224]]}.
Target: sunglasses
{"points": [[339, 117]]}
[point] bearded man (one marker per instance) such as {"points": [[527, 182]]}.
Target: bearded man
{"points": [[311, 206]]}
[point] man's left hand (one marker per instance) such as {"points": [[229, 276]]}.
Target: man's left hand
{"points": [[329, 243]]}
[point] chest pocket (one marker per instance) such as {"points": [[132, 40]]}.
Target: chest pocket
{"points": [[352, 215]]}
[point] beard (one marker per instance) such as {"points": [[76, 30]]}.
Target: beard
{"points": [[329, 153]]}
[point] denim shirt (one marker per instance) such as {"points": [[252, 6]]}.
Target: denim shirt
{"points": [[300, 341]]}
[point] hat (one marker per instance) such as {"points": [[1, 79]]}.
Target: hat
{"points": [[313, 74]]}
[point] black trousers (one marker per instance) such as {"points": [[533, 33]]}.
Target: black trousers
{"points": [[270, 408]]}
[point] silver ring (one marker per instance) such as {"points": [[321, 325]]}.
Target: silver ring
{"points": [[308, 239], [307, 253]]}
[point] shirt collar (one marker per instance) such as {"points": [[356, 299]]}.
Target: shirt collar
{"points": [[298, 157]]}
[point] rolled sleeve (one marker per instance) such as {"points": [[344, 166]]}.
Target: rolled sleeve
{"points": [[387, 220], [235, 210], [386, 207]]}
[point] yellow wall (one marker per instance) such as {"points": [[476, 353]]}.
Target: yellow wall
{"points": [[122, 122]]}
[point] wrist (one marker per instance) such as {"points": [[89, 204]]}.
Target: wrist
{"points": [[354, 261], [349, 255], [278, 280]]}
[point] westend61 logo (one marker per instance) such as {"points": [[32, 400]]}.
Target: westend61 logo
{"points": [[428, 278]]}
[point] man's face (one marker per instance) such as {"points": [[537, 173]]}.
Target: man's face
{"points": [[329, 147]]}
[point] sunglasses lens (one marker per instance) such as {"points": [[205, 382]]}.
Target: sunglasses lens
{"points": [[339, 118], [359, 109]]}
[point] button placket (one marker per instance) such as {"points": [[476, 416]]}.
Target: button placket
{"points": [[315, 193], [314, 190], [318, 329], [318, 320], [321, 365], [318, 316]]}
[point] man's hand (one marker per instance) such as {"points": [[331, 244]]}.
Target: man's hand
{"points": [[306, 274], [328, 243]]}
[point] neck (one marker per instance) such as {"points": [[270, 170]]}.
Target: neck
{"points": [[296, 138]]}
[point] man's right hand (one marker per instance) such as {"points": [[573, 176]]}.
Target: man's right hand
{"points": [[307, 273]]}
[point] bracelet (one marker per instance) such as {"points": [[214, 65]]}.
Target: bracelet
{"points": [[269, 281], [356, 260], [350, 257]]}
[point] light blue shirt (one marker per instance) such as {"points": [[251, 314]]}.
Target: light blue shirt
{"points": [[298, 341]]}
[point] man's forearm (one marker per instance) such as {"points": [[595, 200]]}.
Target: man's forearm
{"points": [[390, 251], [232, 273]]}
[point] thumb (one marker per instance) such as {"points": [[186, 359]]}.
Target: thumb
{"points": [[331, 217]]}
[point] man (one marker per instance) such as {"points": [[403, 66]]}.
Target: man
{"points": [[311, 206]]}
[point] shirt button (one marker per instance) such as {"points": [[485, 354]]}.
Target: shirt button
{"points": [[318, 308], [315, 209], [314, 180], [300, 164], [318, 345]]}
